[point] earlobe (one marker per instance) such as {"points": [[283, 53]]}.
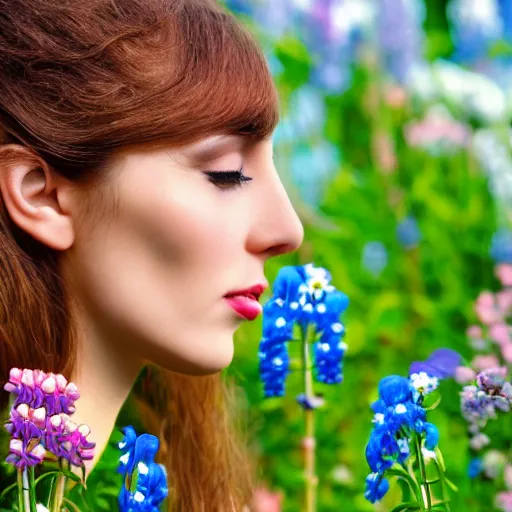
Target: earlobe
{"points": [[31, 193]]}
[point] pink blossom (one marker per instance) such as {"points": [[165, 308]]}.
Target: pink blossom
{"points": [[504, 274], [506, 352], [474, 331], [504, 301], [501, 333], [464, 374], [487, 310], [504, 501], [436, 128], [481, 363], [508, 476], [266, 501]]}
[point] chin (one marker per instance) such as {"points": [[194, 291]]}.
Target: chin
{"points": [[204, 361]]}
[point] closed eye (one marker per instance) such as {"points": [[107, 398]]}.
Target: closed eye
{"points": [[227, 179]]}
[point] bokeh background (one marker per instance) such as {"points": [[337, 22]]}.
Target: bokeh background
{"points": [[395, 147]]}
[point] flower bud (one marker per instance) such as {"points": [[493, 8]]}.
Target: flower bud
{"points": [[49, 385], [27, 378], [23, 410]]}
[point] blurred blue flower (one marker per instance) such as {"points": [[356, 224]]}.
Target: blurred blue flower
{"points": [[441, 364], [302, 296], [501, 246], [408, 233], [312, 167], [400, 36], [375, 257], [475, 467], [476, 24], [240, 6], [505, 11]]}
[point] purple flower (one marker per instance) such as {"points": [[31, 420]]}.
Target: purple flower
{"points": [[39, 419], [25, 452], [441, 364]]}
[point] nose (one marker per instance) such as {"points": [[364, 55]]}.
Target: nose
{"points": [[277, 228]]}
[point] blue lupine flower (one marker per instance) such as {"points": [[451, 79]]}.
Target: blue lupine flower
{"points": [[505, 11], [398, 416], [138, 454], [441, 364], [408, 233], [432, 436], [375, 257], [400, 36], [501, 246], [376, 487], [475, 26], [475, 467], [302, 295]]}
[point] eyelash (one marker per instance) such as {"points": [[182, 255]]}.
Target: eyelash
{"points": [[233, 179]]}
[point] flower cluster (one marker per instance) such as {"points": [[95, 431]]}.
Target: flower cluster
{"points": [[482, 401], [303, 297], [39, 422], [145, 481], [399, 415]]}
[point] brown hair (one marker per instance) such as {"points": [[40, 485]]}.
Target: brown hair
{"points": [[78, 81]]}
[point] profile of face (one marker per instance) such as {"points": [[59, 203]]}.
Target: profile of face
{"points": [[152, 275]]}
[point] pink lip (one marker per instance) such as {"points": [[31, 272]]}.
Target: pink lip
{"points": [[246, 307]]}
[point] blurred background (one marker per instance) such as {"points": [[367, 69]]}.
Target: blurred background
{"points": [[395, 147]]}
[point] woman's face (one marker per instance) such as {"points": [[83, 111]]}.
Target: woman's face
{"points": [[153, 275]]}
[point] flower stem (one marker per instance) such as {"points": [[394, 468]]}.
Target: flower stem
{"points": [[58, 489], [21, 492], [309, 441], [425, 488], [31, 480]]}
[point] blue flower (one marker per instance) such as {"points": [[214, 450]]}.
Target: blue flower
{"points": [[501, 246], [408, 233], [432, 436], [376, 487], [395, 389], [302, 296], [137, 465], [475, 467], [375, 257]]}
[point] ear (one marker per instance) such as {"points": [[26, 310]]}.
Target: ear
{"points": [[36, 197]]}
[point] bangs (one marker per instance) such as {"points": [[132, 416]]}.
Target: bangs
{"points": [[220, 80]]}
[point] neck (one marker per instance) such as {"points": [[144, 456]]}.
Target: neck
{"points": [[104, 377]]}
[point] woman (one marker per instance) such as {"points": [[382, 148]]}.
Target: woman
{"points": [[138, 190]]}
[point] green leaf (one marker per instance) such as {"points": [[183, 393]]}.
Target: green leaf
{"points": [[7, 490]]}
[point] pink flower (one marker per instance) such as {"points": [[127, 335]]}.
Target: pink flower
{"points": [[504, 274], [501, 333], [487, 310], [464, 374], [506, 352], [508, 476], [481, 363], [474, 331], [504, 300], [266, 501], [504, 501]]}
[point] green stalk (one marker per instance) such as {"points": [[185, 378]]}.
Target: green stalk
{"points": [[309, 439], [32, 488], [21, 492], [58, 489], [425, 488]]}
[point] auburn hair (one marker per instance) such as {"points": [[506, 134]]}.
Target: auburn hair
{"points": [[80, 80]]}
